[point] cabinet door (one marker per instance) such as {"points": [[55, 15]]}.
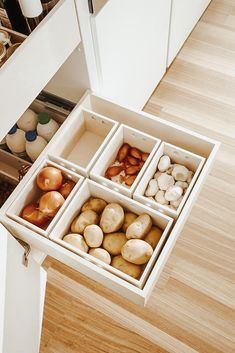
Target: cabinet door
{"points": [[184, 16], [130, 40], [22, 291]]}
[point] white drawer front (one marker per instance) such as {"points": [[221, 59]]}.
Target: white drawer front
{"points": [[35, 62]]}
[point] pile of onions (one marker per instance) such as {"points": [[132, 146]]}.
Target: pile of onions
{"points": [[49, 179], [56, 188]]}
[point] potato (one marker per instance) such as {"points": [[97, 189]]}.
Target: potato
{"points": [[83, 220], [112, 218], [130, 269], [77, 241], [153, 236], [129, 217], [93, 235], [139, 228], [137, 251], [94, 204], [114, 242], [101, 254]]}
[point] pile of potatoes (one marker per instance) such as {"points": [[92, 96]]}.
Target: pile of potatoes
{"points": [[114, 236], [169, 183]]}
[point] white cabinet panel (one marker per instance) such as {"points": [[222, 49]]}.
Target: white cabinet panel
{"points": [[130, 39], [22, 292], [35, 62], [184, 16]]}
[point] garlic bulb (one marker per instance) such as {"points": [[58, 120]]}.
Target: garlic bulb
{"points": [[164, 163], [173, 193], [160, 197], [180, 172], [165, 181], [152, 188]]}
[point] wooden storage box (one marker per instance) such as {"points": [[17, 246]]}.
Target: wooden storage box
{"points": [[11, 164], [135, 138], [30, 193], [92, 189], [178, 156], [84, 139]]}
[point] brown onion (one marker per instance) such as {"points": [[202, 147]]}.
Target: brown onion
{"points": [[50, 203], [66, 188], [49, 178], [32, 214]]}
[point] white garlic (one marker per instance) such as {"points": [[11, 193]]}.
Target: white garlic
{"points": [[164, 163], [152, 188], [165, 181], [180, 172], [176, 203], [157, 175], [173, 193], [182, 184], [160, 197], [190, 177]]}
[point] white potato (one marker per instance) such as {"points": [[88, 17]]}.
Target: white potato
{"points": [[129, 218], [83, 220], [153, 237], [94, 204], [112, 218], [126, 267], [101, 254], [180, 172], [114, 242], [140, 227], [164, 163], [137, 251], [93, 235], [77, 241], [165, 181]]}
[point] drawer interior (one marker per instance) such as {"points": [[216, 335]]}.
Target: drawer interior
{"points": [[154, 126]]}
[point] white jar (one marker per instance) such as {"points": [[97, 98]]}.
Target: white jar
{"points": [[15, 140], [34, 144], [28, 121], [47, 126]]}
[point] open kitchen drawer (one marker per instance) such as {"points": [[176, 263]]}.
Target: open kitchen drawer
{"points": [[154, 126], [37, 60]]}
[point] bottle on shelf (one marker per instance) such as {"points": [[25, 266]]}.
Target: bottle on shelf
{"points": [[14, 13], [28, 121], [47, 6], [32, 10], [34, 144], [15, 140], [47, 126]]}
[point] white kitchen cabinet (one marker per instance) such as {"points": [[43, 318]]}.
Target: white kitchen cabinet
{"points": [[22, 293], [184, 16]]}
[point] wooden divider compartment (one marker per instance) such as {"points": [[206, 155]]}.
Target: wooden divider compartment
{"points": [[134, 138], [86, 137], [30, 193], [178, 156], [92, 189]]}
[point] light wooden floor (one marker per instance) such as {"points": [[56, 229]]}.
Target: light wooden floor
{"points": [[191, 309]]}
